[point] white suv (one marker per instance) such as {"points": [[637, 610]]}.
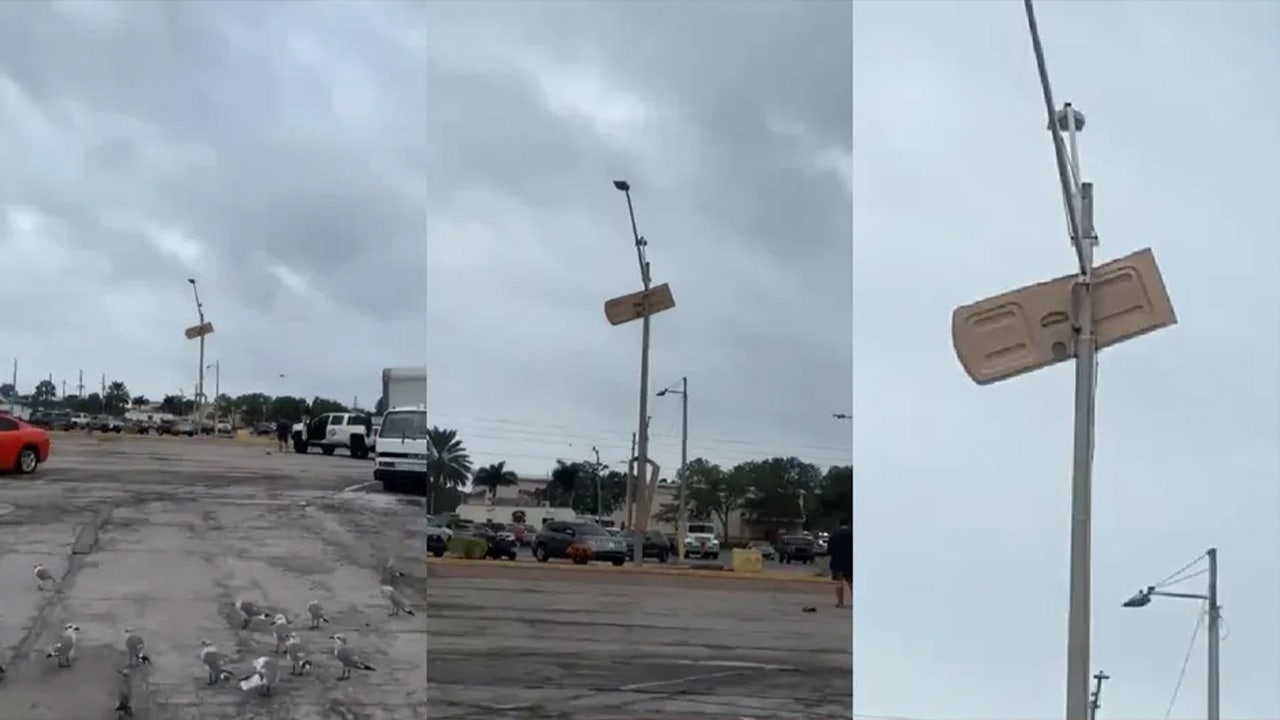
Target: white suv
{"points": [[335, 430], [700, 541]]}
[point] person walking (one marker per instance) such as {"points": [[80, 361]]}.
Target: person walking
{"points": [[283, 430], [840, 548]]}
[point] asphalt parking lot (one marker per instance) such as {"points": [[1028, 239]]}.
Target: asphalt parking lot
{"points": [[519, 644], [163, 535]]}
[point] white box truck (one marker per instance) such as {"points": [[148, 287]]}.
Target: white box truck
{"points": [[400, 448]]}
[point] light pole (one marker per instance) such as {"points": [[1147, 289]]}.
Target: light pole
{"points": [[599, 469], [682, 512], [642, 443], [1142, 598], [217, 393], [199, 383]]}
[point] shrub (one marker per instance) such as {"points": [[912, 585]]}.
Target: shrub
{"points": [[468, 547], [580, 553]]}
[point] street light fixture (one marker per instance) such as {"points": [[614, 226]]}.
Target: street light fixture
{"points": [[200, 383], [642, 444], [682, 511], [1142, 598]]}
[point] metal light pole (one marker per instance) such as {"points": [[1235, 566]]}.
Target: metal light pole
{"points": [[599, 468], [200, 382], [642, 444], [682, 509], [217, 393], [1095, 700], [1077, 197], [1143, 598]]}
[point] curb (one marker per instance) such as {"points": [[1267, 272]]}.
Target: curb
{"points": [[765, 576]]}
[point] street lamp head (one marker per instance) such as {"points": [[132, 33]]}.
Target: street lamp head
{"points": [[662, 393], [191, 280], [1142, 598], [622, 185]]}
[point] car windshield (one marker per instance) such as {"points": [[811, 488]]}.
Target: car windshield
{"points": [[796, 540], [701, 529], [408, 425], [589, 529]]}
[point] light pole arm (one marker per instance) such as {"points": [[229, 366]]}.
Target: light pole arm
{"points": [[1184, 596]]}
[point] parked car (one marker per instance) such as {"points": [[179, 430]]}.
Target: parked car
{"points": [[106, 424], [263, 429], [557, 536], [655, 544], [765, 549], [22, 446], [501, 544], [79, 421], [795, 549]]}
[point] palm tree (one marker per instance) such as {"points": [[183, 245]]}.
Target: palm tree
{"points": [[140, 401], [116, 399], [448, 464], [493, 477], [564, 483]]}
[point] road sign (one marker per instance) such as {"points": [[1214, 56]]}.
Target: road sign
{"points": [[1030, 328], [201, 330], [631, 307]]}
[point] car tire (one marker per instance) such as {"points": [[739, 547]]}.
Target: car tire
{"points": [[663, 557], [581, 560], [511, 557], [715, 556], [618, 563], [327, 449], [438, 552], [28, 461], [540, 553]]}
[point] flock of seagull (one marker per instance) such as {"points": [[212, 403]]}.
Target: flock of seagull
{"points": [[266, 672]]}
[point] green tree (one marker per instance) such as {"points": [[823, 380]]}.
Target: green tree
{"points": [[176, 405], [380, 407], [116, 399], [252, 407], [493, 477], [7, 391], [778, 487], [448, 464], [69, 402], [44, 394], [91, 404], [289, 409], [140, 401], [320, 406], [832, 501], [713, 492]]}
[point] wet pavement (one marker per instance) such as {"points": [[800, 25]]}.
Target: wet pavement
{"points": [[163, 535], [505, 645]]}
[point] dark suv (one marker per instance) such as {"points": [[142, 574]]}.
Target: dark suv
{"points": [[795, 548], [656, 544], [555, 537]]}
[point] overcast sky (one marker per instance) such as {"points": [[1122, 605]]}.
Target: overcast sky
{"points": [[731, 122], [273, 151], [962, 500]]}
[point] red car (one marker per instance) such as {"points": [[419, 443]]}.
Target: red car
{"points": [[22, 446]]}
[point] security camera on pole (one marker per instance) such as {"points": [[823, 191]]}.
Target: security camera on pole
{"points": [[1069, 317], [640, 306]]}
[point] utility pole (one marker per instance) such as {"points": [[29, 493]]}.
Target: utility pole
{"points": [[102, 397], [80, 385], [217, 393], [682, 511], [1095, 701], [1215, 637], [599, 469], [64, 389], [1077, 197], [631, 481], [642, 447], [15, 376]]}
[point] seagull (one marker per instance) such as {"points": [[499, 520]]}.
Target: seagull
{"points": [[134, 646], [398, 603], [280, 626], [212, 659], [265, 674], [124, 695], [346, 657], [297, 655], [43, 575], [317, 614], [250, 611], [65, 648], [389, 572]]}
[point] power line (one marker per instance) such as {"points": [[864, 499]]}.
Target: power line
{"points": [[1173, 577], [536, 430], [1186, 660]]}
